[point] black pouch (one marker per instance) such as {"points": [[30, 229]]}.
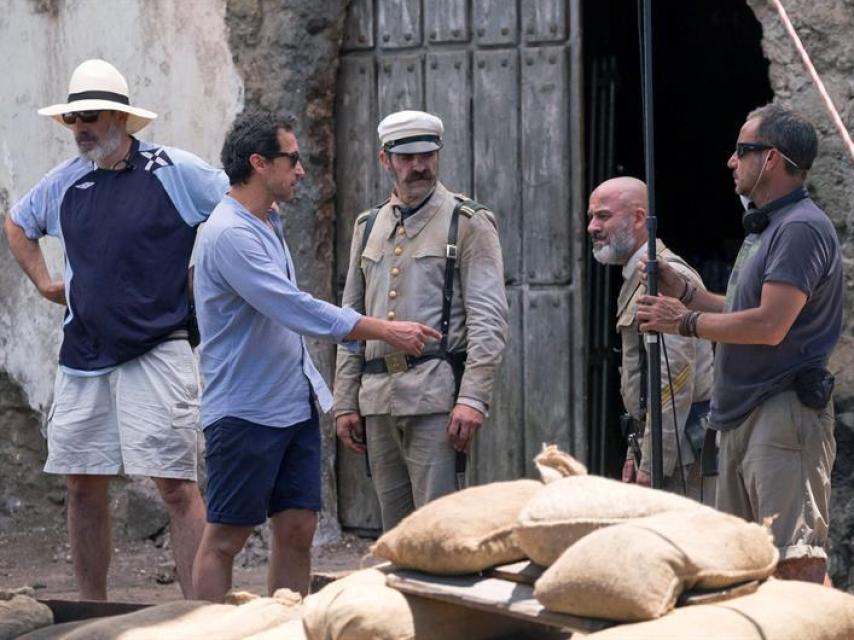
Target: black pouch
{"points": [[193, 335], [814, 387]]}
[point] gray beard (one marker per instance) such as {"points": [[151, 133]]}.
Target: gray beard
{"points": [[106, 146], [618, 250]]}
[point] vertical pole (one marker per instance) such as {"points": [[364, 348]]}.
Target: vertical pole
{"points": [[653, 344]]}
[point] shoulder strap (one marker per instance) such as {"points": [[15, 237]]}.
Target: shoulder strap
{"points": [[369, 226], [468, 208]]}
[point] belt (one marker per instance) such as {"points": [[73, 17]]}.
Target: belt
{"points": [[397, 362]]}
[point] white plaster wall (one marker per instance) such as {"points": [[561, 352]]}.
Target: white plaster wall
{"points": [[175, 56]]}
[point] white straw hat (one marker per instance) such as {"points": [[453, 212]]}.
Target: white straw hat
{"points": [[96, 84]]}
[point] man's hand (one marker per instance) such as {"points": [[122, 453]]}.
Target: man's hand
{"points": [[629, 470], [350, 429], [463, 422], [660, 314], [643, 478], [409, 337], [670, 282], [54, 291]]}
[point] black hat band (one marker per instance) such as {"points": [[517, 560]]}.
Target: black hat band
{"points": [[99, 95]]}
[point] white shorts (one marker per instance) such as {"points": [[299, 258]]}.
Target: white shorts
{"points": [[142, 418]]}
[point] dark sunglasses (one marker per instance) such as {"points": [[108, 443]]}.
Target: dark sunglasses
{"points": [[743, 148], [293, 156], [87, 117]]}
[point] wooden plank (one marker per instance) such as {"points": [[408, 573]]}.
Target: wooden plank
{"points": [[494, 21], [446, 21], [399, 23], [710, 596], [356, 165], [359, 26], [545, 166], [548, 379], [400, 86], [499, 447], [490, 594], [544, 20], [496, 149], [449, 97], [524, 572]]}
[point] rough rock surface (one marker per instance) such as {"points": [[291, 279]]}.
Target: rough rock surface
{"points": [[825, 29], [287, 54]]}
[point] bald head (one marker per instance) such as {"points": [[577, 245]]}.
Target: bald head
{"points": [[617, 219]]}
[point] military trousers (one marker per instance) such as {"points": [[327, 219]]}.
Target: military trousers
{"points": [[411, 460]]}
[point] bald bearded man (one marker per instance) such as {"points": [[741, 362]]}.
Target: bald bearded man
{"points": [[617, 216]]}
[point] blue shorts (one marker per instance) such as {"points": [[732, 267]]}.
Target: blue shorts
{"points": [[255, 471]]}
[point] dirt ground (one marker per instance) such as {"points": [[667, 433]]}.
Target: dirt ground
{"points": [[141, 571]]}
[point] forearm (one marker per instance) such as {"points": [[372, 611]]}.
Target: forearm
{"points": [[707, 301], [752, 326], [28, 254]]}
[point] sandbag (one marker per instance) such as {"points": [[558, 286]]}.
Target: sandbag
{"points": [[291, 630], [188, 619], [21, 614], [779, 610], [362, 607], [637, 570], [566, 510], [463, 532]]}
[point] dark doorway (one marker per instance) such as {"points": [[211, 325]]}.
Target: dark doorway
{"points": [[709, 73]]}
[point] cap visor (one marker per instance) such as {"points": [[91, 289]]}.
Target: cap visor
{"points": [[420, 146]]}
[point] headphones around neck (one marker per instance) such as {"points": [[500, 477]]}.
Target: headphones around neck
{"points": [[756, 220]]}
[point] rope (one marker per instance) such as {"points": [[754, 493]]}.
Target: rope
{"points": [[834, 114]]}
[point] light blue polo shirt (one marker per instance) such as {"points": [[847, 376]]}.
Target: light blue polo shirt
{"points": [[252, 318]]}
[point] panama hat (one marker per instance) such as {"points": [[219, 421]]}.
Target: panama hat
{"points": [[411, 132], [98, 85]]}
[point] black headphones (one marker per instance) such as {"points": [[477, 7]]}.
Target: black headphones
{"points": [[756, 220]]}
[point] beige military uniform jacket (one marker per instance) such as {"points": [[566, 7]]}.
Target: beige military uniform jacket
{"points": [[400, 276], [690, 360]]}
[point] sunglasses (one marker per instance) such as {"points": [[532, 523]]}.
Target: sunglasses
{"points": [[87, 117], [293, 156], [743, 148]]}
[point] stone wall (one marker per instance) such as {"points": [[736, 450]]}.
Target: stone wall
{"points": [[826, 30]]}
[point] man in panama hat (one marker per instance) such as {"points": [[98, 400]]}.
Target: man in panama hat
{"points": [[126, 392]]}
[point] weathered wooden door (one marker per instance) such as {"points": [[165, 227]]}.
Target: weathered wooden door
{"points": [[505, 77]]}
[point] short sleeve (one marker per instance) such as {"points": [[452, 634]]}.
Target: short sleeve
{"points": [[37, 213], [194, 186], [799, 255]]}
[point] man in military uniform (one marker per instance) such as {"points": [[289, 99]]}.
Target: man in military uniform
{"points": [[420, 413], [617, 214]]}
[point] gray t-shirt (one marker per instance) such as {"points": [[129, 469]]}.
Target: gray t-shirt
{"points": [[799, 247]]}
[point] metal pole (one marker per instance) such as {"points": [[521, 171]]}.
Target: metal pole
{"points": [[653, 345]]}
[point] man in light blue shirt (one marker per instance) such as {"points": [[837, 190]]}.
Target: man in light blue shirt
{"points": [[260, 385]]}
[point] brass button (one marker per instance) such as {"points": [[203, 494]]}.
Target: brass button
{"points": [[391, 315], [392, 294], [398, 251], [395, 271], [401, 231]]}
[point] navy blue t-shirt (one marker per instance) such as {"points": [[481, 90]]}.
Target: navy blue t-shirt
{"points": [[128, 236], [800, 248]]}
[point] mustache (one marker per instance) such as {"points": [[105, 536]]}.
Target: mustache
{"points": [[419, 176]]}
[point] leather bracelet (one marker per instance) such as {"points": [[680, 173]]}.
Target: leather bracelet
{"points": [[688, 324]]}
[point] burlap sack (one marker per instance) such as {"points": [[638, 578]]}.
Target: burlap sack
{"points": [[21, 614], [637, 570], [292, 630], [463, 532], [779, 610], [362, 607], [189, 620], [566, 510]]}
